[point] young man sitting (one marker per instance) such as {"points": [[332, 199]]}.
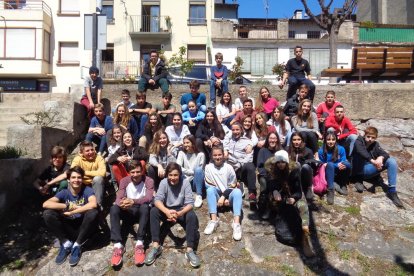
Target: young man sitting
{"points": [[126, 100], [99, 127], [94, 167], [140, 111], [292, 104], [71, 215], [131, 205], [165, 109], [247, 110], [343, 128], [369, 160], [221, 184], [218, 80], [194, 95], [154, 74]]}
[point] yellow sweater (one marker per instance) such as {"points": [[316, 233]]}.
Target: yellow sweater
{"points": [[92, 168]]}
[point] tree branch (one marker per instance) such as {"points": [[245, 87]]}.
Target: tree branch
{"points": [[309, 12], [329, 5]]}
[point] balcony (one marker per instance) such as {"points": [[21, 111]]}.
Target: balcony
{"points": [[120, 69], [154, 29], [247, 31], [28, 10], [228, 30]]}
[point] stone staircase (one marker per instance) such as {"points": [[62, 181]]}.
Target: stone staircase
{"points": [[15, 105]]}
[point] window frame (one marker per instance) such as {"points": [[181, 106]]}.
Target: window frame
{"points": [[67, 13], [70, 63], [197, 21], [5, 36]]}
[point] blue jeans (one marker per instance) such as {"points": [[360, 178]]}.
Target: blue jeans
{"points": [[162, 83], [198, 180], [331, 171], [295, 82], [228, 120], [200, 107], [142, 123], [99, 140], [235, 199], [365, 170], [224, 88]]}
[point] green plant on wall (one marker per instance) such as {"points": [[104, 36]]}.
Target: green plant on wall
{"points": [[367, 24], [235, 74], [9, 152], [41, 118], [180, 60]]}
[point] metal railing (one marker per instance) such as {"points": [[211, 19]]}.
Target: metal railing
{"points": [[120, 69], [149, 24], [26, 5]]}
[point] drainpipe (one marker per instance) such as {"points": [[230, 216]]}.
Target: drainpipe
{"points": [[98, 52]]}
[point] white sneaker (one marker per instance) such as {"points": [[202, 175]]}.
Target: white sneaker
{"points": [[198, 201], [211, 226], [237, 231]]}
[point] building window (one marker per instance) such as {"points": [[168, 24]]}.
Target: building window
{"points": [[292, 34], [46, 46], [14, 4], [196, 53], [109, 11], [69, 7], [314, 34], [258, 61], [318, 59], [20, 43], [197, 14], [68, 53]]}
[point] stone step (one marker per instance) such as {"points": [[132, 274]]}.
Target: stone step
{"points": [[7, 111], [17, 98]]}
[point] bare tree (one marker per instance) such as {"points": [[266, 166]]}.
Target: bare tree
{"points": [[331, 22]]}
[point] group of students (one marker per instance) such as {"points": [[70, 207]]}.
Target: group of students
{"points": [[158, 157]]}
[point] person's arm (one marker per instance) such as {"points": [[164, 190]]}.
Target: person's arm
{"points": [[121, 193], [101, 168], [360, 148], [200, 116], [186, 117], [56, 180], [212, 75], [171, 109], [188, 199], [145, 110], [146, 74], [153, 160], [225, 72], [54, 204], [88, 91], [160, 72], [82, 209], [308, 71], [99, 89], [181, 161]]}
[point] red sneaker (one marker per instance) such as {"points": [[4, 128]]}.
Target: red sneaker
{"points": [[117, 253], [139, 255]]}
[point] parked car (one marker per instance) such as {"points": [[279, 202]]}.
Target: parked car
{"points": [[201, 73]]}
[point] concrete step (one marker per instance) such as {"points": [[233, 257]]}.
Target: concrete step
{"points": [[7, 111], [17, 98]]}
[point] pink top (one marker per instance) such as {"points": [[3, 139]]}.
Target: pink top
{"points": [[271, 104], [322, 108]]}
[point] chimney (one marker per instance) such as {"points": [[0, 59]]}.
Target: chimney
{"points": [[297, 14]]}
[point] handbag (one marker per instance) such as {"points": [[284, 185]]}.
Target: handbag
{"points": [[319, 181]]}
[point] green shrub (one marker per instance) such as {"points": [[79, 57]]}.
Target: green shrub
{"points": [[9, 152], [41, 118]]}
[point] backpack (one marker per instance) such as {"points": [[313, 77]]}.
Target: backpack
{"points": [[288, 225], [319, 181]]}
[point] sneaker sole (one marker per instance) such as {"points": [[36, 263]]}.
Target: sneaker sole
{"points": [[193, 265], [156, 256]]}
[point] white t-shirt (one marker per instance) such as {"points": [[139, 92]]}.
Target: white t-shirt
{"points": [[239, 104], [222, 110], [136, 191], [220, 177]]}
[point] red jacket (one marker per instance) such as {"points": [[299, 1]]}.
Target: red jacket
{"points": [[149, 193], [322, 108], [342, 129]]}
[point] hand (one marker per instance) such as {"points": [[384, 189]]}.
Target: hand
{"points": [[68, 213], [277, 196], [101, 131], [91, 105], [127, 203], [171, 215], [320, 137], [191, 122], [208, 143], [341, 166], [321, 119], [226, 154], [249, 149], [281, 84], [151, 81], [44, 190], [220, 202], [260, 144], [290, 201], [215, 141], [161, 171]]}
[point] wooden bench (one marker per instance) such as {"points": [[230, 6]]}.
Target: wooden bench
{"points": [[377, 63]]}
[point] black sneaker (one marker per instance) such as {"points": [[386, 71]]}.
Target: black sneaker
{"points": [[396, 200], [359, 187], [344, 190]]}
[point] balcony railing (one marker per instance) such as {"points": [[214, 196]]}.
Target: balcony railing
{"points": [[149, 24], [26, 5], [256, 32], [120, 69]]}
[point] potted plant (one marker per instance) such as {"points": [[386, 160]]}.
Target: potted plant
{"points": [[236, 72], [278, 69]]}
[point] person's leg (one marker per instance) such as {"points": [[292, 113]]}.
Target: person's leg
{"points": [[293, 86], [224, 86], [184, 108], [343, 175], [350, 140], [236, 202], [143, 212], [142, 123], [199, 180], [228, 120], [311, 140], [142, 84], [85, 102], [248, 176], [55, 223], [263, 196], [306, 179], [212, 198], [142, 142], [163, 83], [212, 93], [392, 168], [89, 223], [190, 222], [330, 175], [203, 108], [98, 185], [102, 143], [153, 173], [311, 86], [62, 185], [115, 216], [156, 216]]}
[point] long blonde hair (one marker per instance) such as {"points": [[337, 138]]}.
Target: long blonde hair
{"points": [[309, 121], [155, 147], [124, 121]]}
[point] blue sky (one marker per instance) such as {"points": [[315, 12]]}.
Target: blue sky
{"points": [[277, 8]]}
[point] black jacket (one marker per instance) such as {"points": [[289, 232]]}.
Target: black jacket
{"points": [[138, 154], [160, 71], [295, 189], [372, 152]]}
